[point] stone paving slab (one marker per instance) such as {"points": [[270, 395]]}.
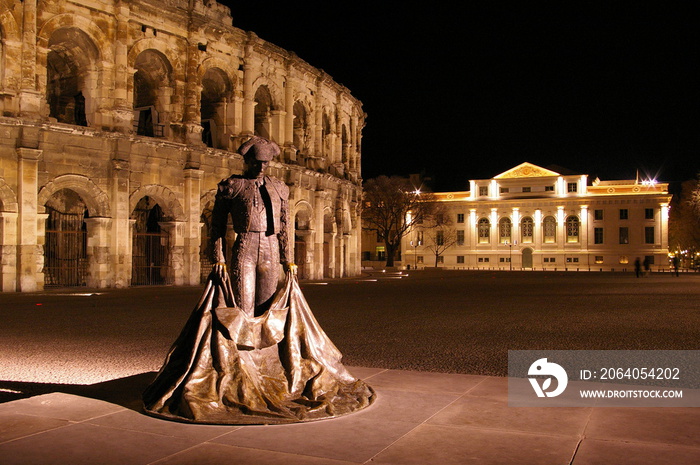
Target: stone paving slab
{"points": [[418, 418]]}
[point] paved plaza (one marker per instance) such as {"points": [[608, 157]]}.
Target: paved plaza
{"points": [[73, 363]]}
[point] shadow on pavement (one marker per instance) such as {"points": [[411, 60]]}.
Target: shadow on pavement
{"points": [[122, 391]]}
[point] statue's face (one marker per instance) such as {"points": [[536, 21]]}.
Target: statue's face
{"points": [[256, 168]]}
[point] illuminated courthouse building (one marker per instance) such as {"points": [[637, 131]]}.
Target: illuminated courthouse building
{"points": [[119, 118], [534, 218]]}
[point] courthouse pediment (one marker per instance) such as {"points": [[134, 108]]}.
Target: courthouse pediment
{"points": [[526, 170]]}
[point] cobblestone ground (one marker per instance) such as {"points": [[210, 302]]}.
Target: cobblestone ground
{"points": [[445, 321]]}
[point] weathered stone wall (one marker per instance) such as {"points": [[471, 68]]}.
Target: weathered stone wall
{"points": [[119, 101]]}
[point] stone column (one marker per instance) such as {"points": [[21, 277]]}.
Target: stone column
{"points": [[123, 111], [663, 227], [561, 227], [175, 256], [30, 98], [288, 140], [8, 251], [99, 273], [537, 229], [192, 234], [318, 226], [30, 258], [122, 226], [249, 68]]}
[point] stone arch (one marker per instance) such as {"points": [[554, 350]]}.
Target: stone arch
{"points": [[8, 198], [302, 135], [172, 209], [226, 67], [264, 106], [276, 93], [73, 63], [70, 21], [163, 48], [10, 44], [95, 199], [304, 210], [303, 215], [327, 132], [153, 86], [217, 91]]}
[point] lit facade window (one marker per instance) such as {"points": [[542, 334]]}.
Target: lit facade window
{"points": [[572, 229], [483, 191], [526, 230], [484, 230], [598, 215], [649, 234], [598, 235], [460, 237], [440, 238], [549, 229], [648, 213], [504, 230], [460, 217], [572, 187], [624, 235], [624, 213]]}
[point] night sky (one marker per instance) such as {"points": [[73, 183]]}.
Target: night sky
{"points": [[469, 93]]}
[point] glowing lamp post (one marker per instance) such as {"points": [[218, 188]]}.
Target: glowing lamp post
{"points": [[510, 253]]}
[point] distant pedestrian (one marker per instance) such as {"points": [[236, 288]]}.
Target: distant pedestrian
{"points": [[675, 264], [637, 267], [647, 266]]}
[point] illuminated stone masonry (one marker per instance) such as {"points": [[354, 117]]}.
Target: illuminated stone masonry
{"points": [[534, 218], [118, 119]]}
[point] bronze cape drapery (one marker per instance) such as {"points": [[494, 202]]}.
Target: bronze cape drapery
{"points": [[227, 367]]}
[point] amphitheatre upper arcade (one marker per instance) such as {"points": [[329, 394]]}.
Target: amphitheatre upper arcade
{"points": [[118, 119]]}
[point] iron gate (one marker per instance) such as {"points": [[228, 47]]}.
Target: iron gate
{"points": [[149, 259], [65, 258]]}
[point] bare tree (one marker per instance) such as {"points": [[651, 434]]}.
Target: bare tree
{"points": [[684, 222], [439, 231], [392, 206]]}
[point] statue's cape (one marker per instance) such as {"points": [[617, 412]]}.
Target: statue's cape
{"points": [[227, 367]]}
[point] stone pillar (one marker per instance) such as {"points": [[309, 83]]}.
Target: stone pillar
{"points": [[192, 117], [175, 254], [99, 273], [663, 227], [30, 258], [248, 95], [561, 227], [192, 233], [122, 226], [277, 119], [583, 228], [8, 251], [289, 120], [123, 111], [318, 226], [30, 99], [537, 229]]}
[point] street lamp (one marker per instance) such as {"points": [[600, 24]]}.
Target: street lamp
{"points": [[510, 253], [415, 256]]}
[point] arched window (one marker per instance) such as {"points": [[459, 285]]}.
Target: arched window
{"points": [[504, 230], [572, 229], [216, 89], [484, 231], [151, 93], [549, 229], [526, 230], [263, 112]]}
